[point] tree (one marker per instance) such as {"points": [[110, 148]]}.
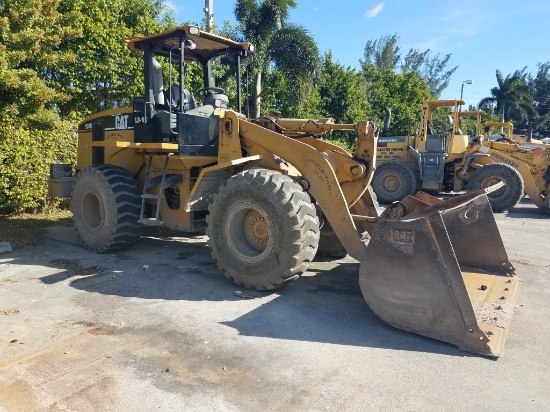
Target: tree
{"points": [[279, 44], [31, 32], [541, 85], [402, 93], [431, 69], [383, 53], [342, 92], [31, 135], [513, 98], [106, 73]]}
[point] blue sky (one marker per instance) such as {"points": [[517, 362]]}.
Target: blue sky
{"points": [[482, 35]]}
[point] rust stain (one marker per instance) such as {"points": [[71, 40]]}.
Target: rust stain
{"points": [[7, 282], [18, 396], [56, 379]]}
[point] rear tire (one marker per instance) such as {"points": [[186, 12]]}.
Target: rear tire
{"points": [[393, 181], [506, 197], [106, 204], [329, 244], [263, 229], [546, 205]]}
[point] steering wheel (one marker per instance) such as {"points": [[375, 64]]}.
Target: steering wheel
{"points": [[212, 89]]}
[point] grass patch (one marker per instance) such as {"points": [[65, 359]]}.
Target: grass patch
{"points": [[27, 229]]}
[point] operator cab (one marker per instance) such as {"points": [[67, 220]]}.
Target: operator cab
{"points": [[173, 114]]}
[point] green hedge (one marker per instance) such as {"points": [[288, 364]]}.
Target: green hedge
{"points": [[25, 158]]}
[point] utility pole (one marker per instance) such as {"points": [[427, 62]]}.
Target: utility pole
{"points": [[209, 14]]}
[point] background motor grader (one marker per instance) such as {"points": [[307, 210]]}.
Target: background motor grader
{"points": [[264, 188]]}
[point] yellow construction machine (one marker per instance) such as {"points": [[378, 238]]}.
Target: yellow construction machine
{"points": [[425, 160], [524, 168], [506, 133], [263, 189], [450, 161]]}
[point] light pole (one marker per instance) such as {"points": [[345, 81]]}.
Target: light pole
{"points": [[462, 88]]}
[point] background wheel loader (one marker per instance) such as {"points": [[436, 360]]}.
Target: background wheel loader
{"points": [[264, 188], [425, 160], [524, 168], [453, 162]]}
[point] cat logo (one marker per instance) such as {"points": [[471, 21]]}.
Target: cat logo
{"points": [[121, 122]]}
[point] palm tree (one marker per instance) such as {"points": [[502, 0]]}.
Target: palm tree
{"points": [[287, 46], [513, 97]]}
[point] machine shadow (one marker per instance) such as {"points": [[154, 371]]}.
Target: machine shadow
{"points": [[324, 306], [526, 209]]}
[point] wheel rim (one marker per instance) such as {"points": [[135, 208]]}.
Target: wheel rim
{"points": [[391, 183], [249, 232], [491, 180], [93, 211]]}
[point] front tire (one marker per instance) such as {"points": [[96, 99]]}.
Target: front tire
{"points": [[263, 229], [106, 205], [506, 197], [393, 181]]}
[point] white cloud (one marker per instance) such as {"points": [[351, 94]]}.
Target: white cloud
{"points": [[432, 44], [170, 5], [375, 10]]}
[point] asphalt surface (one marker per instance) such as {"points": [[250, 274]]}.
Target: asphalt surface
{"points": [[159, 328]]}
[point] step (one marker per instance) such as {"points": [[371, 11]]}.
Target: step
{"points": [[150, 221], [150, 196]]}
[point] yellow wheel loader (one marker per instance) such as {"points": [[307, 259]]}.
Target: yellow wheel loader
{"points": [[524, 168], [425, 160], [263, 189], [453, 162]]}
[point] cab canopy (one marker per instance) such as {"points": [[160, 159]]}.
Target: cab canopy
{"points": [[200, 45], [186, 44]]}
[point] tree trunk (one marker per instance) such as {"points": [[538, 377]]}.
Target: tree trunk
{"points": [[255, 99]]}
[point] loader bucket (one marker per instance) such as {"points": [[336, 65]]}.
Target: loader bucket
{"points": [[442, 271]]}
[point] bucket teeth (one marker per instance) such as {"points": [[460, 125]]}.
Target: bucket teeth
{"points": [[441, 270]]}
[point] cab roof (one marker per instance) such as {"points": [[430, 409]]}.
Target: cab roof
{"points": [[471, 113], [208, 45], [443, 103]]}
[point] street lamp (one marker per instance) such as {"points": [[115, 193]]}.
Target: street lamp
{"points": [[462, 88]]}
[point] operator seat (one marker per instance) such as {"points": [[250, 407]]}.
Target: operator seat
{"points": [[158, 88], [174, 97], [218, 100]]}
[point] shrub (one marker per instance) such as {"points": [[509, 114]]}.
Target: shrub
{"points": [[25, 158]]}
